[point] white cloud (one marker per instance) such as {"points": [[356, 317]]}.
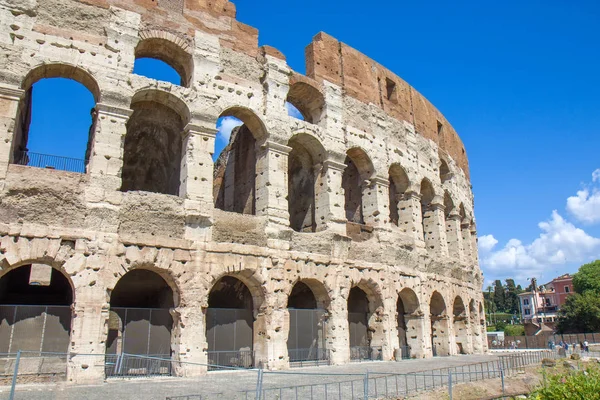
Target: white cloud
{"points": [[486, 243], [224, 127], [586, 205], [560, 243]]}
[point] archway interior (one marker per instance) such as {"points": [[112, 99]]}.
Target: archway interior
{"points": [[230, 323], [401, 311], [358, 320], [234, 185], [55, 125], [162, 59], [439, 325], [353, 191], [427, 195], [398, 186], [35, 314], [444, 171], [305, 101], [140, 321], [459, 314], [152, 149], [304, 182], [306, 338]]}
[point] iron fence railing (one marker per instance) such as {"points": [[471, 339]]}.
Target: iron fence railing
{"points": [[257, 384], [306, 357], [366, 353], [49, 161], [236, 359]]}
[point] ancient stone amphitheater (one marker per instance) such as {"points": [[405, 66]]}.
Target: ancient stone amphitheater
{"points": [[348, 234]]}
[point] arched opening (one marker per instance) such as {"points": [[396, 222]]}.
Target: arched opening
{"points": [[307, 334], [163, 59], [460, 325], [230, 324], [359, 169], [445, 173], [153, 143], [409, 326], [140, 323], [35, 311], [427, 214], [308, 100], [56, 119], [358, 321], [440, 338], [304, 182], [399, 184], [234, 185]]}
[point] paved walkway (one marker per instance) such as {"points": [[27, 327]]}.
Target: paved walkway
{"points": [[228, 382]]}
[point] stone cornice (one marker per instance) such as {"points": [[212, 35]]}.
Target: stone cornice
{"points": [[113, 111], [11, 93]]}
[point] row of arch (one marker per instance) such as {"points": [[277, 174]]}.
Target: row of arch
{"points": [[141, 318], [153, 151]]}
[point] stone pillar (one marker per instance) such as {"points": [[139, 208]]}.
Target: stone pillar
{"points": [[329, 210], [454, 236], [434, 228], [382, 325], [272, 188], [189, 339], [106, 153], [270, 335], [10, 96], [197, 165], [474, 248], [89, 331], [410, 217], [415, 335], [467, 242], [476, 335], [440, 334], [375, 205], [338, 334]]}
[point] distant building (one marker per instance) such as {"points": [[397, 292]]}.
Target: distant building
{"points": [[541, 305]]}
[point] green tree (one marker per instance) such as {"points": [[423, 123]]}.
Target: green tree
{"points": [[499, 298], [587, 278], [580, 313], [511, 297]]}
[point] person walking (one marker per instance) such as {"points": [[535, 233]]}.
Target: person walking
{"points": [[586, 346]]}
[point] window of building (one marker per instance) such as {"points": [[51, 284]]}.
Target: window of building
{"points": [[527, 311], [440, 127], [548, 302], [526, 302], [390, 87], [567, 290]]}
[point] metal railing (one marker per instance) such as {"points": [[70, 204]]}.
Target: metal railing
{"points": [[131, 365], [271, 385], [306, 357], [49, 161], [236, 359], [366, 353]]}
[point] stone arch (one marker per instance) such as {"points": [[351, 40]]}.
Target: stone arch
{"points": [[318, 288], [20, 151], [308, 100], [140, 319], [169, 48], [63, 70], [445, 174], [307, 334], [399, 184], [35, 308], [460, 322], [427, 212], [448, 204], [153, 143], [232, 321], [234, 185], [359, 169], [440, 336], [409, 323], [305, 186], [365, 305]]}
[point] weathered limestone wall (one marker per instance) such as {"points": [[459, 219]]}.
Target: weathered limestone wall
{"points": [[86, 227]]}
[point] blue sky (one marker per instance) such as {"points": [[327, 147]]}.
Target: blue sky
{"points": [[518, 80]]}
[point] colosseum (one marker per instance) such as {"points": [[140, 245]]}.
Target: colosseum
{"points": [[347, 234]]}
